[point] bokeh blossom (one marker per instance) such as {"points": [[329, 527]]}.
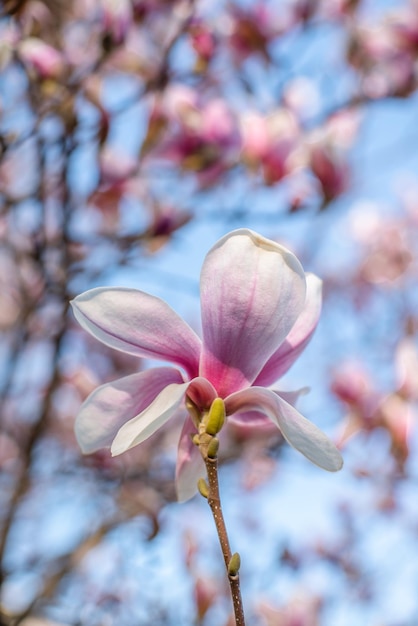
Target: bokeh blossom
{"points": [[270, 142], [45, 60], [259, 310], [370, 408], [195, 134]]}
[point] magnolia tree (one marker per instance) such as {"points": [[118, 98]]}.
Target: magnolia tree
{"points": [[270, 144]]}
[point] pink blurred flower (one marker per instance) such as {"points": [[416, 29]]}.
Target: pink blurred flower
{"points": [[206, 590], [301, 611], [370, 408], [199, 136], [327, 148], [116, 19], [398, 411], [203, 42], [43, 58], [165, 220], [259, 310], [407, 368], [404, 26], [388, 246], [396, 416], [384, 55], [352, 385], [269, 142], [252, 29], [330, 169]]}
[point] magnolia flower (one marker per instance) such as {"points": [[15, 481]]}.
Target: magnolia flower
{"points": [[259, 310], [43, 58], [116, 19], [270, 142]]}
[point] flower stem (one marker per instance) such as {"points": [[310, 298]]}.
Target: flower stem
{"points": [[216, 508]]}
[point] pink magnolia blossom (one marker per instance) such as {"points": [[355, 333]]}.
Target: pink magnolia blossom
{"points": [[384, 54], [196, 135], [251, 30], [116, 19], [259, 310], [371, 408], [203, 42], [202, 137], [327, 149], [300, 611], [43, 58], [165, 220], [404, 26], [270, 142], [388, 246]]}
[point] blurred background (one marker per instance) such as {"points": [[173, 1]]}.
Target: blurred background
{"points": [[133, 134]]}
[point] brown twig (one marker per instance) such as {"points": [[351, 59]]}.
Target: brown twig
{"points": [[214, 502]]}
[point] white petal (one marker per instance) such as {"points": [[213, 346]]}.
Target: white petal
{"points": [[190, 465], [137, 323], [256, 419], [296, 429], [151, 419], [297, 339], [108, 407]]}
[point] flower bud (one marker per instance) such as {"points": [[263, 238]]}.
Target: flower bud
{"points": [[213, 447], [234, 564], [216, 417], [203, 487]]}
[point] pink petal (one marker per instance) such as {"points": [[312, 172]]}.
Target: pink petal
{"points": [[150, 420], [137, 323], [202, 393], [252, 292], [296, 429], [190, 465], [106, 409], [298, 338]]}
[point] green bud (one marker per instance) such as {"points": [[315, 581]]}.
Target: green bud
{"points": [[213, 447], [203, 487], [216, 417], [234, 564]]}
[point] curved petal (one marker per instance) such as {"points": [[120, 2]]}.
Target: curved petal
{"points": [[106, 409], [150, 420], [298, 338], [202, 393], [190, 465], [296, 429], [135, 322], [253, 418], [258, 418], [252, 292]]}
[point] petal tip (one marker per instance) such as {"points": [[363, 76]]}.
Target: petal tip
{"points": [[116, 450], [329, 458], [338, 463]]}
